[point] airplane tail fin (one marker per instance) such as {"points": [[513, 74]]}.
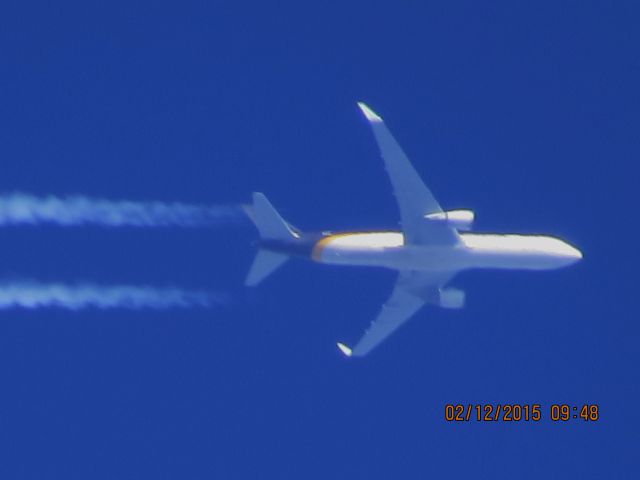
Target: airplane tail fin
{"points": [[271, 227], [265, 263]]}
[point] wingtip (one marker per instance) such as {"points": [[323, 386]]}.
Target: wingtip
{"points": [[368, 113], [344, 349]]}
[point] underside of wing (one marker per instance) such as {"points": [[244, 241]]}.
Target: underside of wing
{"points": [[412, 290], [414, 199]]}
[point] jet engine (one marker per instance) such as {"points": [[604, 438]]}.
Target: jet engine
{"points": [[451, 298], [458, 219]]}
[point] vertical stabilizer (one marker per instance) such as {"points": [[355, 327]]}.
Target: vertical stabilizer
{"points": [[271, 227]]}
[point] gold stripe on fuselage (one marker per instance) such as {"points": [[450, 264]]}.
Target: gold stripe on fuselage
{"points": [[316, 253]]}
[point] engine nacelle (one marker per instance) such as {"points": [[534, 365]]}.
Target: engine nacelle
{"points": [[458, 219], [452, 298]]}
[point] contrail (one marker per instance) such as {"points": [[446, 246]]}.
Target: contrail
{"points": [[35, 295], [26, 209]]}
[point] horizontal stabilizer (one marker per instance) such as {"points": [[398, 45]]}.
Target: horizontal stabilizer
{"points": [[271, 227], [268, 221], [263, 265]]}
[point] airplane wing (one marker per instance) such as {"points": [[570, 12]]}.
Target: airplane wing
{"points": [[414, 199], [412, 290]]}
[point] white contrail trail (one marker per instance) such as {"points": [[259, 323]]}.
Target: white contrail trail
{"points": [[34, 295], [26, 209]]}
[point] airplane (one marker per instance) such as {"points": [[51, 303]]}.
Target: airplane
{"points": [[432, 247]]}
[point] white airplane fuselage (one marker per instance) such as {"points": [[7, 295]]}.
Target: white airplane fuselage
{"points": [[387, 249]]}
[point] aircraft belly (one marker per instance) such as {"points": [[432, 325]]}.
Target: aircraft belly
{"points": [[387, 249], [399, 258], [410, 257], [380, 257], [519, 252], [518, 261]]}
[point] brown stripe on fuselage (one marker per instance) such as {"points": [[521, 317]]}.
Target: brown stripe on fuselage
{"points": [[316, 253]]}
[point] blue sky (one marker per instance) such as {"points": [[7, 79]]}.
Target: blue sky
{"points": [[525, 112]]}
